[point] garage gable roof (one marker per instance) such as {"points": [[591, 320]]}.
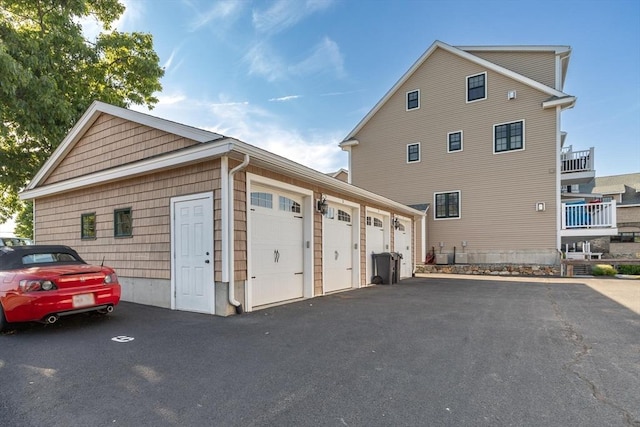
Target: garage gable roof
{"points": [[91, 115], [212, 146], [567, 100]]}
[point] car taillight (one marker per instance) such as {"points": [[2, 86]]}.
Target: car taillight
{"points": [[36, 285], [110, 279]]}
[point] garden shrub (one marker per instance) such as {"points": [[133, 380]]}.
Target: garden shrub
{"points": [[603, 270], [629, 269]]}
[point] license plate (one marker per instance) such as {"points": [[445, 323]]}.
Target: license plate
{"points": [[83, 300]]}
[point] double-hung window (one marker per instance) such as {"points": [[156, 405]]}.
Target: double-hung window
{"points": [[413, 100], [508, 136], [477, 87], [413, 153], [88, 226], [454, 141], [122, 223], [447, 205]]}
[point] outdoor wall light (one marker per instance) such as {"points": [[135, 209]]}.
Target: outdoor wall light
{"points": [[322, 205], [396, 223], [540, 207]]}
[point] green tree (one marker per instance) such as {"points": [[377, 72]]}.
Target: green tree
{"points": [[50, 73]]}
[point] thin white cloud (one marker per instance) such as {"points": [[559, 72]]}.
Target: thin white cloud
{"points": [[256, 126], [325, 57], [285, 98], [286, 13], [264, 62], [222, 12]]}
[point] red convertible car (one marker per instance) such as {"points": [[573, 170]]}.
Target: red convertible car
{"points": [[41, 283]]}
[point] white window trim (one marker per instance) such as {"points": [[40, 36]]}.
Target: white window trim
{"points": [[419, 153], [461, 141], [435, 207], [466, 87], [406, 100], [493, 138]]}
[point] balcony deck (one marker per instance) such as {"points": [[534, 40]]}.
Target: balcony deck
{"points": [[586, 220], [577, 167]]}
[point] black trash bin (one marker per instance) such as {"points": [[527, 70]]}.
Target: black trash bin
{"points": [[396, 258], [385, 268]]}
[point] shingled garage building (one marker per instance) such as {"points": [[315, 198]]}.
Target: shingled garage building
{"points": [[181, 213]]}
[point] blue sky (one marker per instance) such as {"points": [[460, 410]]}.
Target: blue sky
{"points": [[296, 76]]}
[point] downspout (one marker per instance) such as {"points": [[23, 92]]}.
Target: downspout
{"points": [[231, 216]]}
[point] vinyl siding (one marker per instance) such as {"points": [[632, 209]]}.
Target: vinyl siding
{"points": [[539, 66], [498, 191], [112, 141]]}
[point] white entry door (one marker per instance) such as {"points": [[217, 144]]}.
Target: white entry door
{"points": [[193, 253], [277, 246], [402, 244], [337, 256], [375, 240]]}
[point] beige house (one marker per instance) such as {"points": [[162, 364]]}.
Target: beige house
{"points": [[474, 134], [197, 221]]}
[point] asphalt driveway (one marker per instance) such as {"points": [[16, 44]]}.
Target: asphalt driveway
{"points": [[426, 352]]}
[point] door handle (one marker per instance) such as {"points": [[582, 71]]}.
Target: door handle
{"points": [[206, 261]]}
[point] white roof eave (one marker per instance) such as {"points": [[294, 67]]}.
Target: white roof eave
{"points": [[213, 150]]}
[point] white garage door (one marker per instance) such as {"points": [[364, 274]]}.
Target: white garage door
{"points": [[375, 240], [277, 266], [402, 244], [337, 256]]}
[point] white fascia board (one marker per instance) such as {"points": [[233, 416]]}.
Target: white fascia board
{"points": [[171, 160], [208, 151], [288, 167], [558, 50], [348, 143], [564, 102], [91, 115], [463, 54]]}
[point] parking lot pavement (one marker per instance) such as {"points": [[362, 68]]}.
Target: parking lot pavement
{"points": [[429, 351]]}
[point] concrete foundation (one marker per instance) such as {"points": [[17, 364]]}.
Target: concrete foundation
{"points": [[155, 292]]}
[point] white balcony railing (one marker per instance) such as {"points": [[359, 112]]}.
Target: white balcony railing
{"points": [[576, 161], [588, 215]]}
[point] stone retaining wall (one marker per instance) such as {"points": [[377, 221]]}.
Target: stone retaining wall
{"points": [[492, 269]]}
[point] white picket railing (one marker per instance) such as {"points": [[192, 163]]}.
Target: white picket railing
{"points": [[576, 161], [589, 215]]}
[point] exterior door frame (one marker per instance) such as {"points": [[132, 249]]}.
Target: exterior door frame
{"points": [[408, 223], [307, 233], [174, 285], [355, 241], [386, 237]]}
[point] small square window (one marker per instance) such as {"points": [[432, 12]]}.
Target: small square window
{"points": [[477, 87], [88, 226], [413, 153], [122, 223], [413, 100], [454, 141]]}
